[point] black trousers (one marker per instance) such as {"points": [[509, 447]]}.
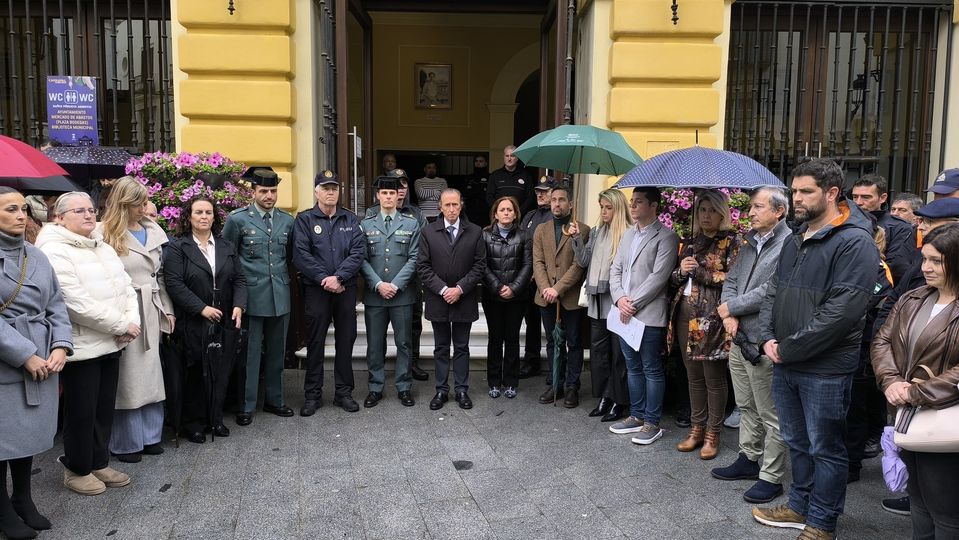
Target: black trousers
{"points": [[203, 400], [570, 366], [89, 395], [933, 489], [503, 320], [534, 330], [322, 308], [606, 364], [857, 421], [417, 322], [457, 334]]}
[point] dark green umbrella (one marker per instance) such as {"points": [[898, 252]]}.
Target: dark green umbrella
{"points": [[576, 149], [559, 340]]}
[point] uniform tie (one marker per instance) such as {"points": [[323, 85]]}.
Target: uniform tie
{"points": [[389, 221], [268, 222]]}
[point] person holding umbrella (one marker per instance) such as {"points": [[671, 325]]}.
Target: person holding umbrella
{"points": [[103, 309], [558, 279], [138, 420], [35, 340], [606, 358], [204, 277], [695, 326]]}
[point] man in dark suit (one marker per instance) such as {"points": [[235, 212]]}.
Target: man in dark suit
{"points": [[328, 249], [452, 258]]}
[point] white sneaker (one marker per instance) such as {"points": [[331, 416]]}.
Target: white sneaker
{"points": [[734, 418], [648, 434], [629, 425]]}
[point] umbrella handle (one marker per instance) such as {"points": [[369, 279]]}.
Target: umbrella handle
{"points": [[572, 219]]}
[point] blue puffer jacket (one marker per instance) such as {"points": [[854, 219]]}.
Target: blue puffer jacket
{"points": [[818, 297]]}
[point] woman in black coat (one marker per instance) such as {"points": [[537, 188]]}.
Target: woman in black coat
{"points": [[509, 266], [209, 308]]}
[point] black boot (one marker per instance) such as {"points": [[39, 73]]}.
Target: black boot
{"points": [[22, 500], [602, 407], [10, 523], [616, 412]]}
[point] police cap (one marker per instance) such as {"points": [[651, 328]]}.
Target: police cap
{"points": [[946, 183], [940, 209], [265, 177], [326, 177], [387, 182], [545, 183]]}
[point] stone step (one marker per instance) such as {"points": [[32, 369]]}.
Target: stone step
{"points": [[479, 338]]}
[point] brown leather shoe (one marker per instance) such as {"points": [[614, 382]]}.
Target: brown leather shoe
{"points": [[710, 447], [692, 441]]}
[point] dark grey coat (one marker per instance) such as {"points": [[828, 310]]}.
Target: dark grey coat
{"points": [[462, 264], [745, 287], [35, 323]]}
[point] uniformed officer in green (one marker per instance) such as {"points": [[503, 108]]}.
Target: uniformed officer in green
{"points": [[262, 234], [392, 239]]}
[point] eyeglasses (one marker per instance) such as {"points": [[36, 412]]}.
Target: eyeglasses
{"points": [[81, 211]]}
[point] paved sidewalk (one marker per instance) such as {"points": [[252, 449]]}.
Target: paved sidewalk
{"points": [[505, 469]]}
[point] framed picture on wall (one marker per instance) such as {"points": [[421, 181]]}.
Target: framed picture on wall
{"points": [[433, 86]]}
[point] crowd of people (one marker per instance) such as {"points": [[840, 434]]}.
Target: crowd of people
{"points": [[817, 323]]}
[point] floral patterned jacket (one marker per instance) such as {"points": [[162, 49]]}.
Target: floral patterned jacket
{"points": [[708, 339]]}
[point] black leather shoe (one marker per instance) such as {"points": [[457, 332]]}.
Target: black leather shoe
{"points": [[196, 437], [418, 373], [548, 396], [154, 449], [571, 400], [135, 457], [310, 406], [406, 398], [529, 369], [282, 410], [244, 418], [372, 399], [438, 400], [347, 403], [221, 431], [464, 400], [601, 408], [616, 412]]}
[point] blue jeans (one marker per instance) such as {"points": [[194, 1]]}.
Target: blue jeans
{"points": [[645, 376], [812, 419]]}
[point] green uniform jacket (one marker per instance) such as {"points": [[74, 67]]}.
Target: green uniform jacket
{"points": [[265, 257], [390, 257]]}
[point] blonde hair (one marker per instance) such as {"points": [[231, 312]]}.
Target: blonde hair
{"points": [[621, 218], [126, 193], [720, 205]]}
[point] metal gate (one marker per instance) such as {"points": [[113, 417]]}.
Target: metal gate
{"points": [[851, 82], [124, 44]]}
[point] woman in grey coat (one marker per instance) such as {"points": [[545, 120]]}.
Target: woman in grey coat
{"points": [[34, 343]]}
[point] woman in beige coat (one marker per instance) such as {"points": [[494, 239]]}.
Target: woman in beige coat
{"points": [[138, 421]]}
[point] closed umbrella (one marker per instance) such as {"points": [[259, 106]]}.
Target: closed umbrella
{"points": [[699, 167]]}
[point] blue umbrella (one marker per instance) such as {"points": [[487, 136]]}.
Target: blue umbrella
{"points": [[699, 167]]}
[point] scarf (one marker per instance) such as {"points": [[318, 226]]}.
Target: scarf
{"points": [[597, 277]]}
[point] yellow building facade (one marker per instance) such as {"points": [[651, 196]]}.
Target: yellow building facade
{"points": [[248, 85]]}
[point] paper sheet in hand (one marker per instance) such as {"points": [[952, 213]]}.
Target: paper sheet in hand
{"points": [[631, 332]]}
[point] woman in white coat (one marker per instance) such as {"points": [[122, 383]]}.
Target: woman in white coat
{"points": [[103, 310], [138, 419]]}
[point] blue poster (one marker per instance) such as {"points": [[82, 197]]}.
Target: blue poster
{"points": [[72, 110]]}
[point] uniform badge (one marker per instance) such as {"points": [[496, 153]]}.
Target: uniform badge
{"points": [[329, 174], [317, 229], [521, 181]]}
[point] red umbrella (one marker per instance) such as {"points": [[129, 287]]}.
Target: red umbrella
{"points": [[20, 160]]}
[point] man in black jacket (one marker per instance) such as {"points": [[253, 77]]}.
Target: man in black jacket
{"points": [[328, 249], [530, 365], [511, 180], [870, 193], [810, 327]]}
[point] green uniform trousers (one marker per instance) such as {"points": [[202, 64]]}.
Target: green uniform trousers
{"points": [[377, 319], [266, 339]]}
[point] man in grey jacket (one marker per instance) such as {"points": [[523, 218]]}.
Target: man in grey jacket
{"points": [[637, 283], [752, 372]]}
